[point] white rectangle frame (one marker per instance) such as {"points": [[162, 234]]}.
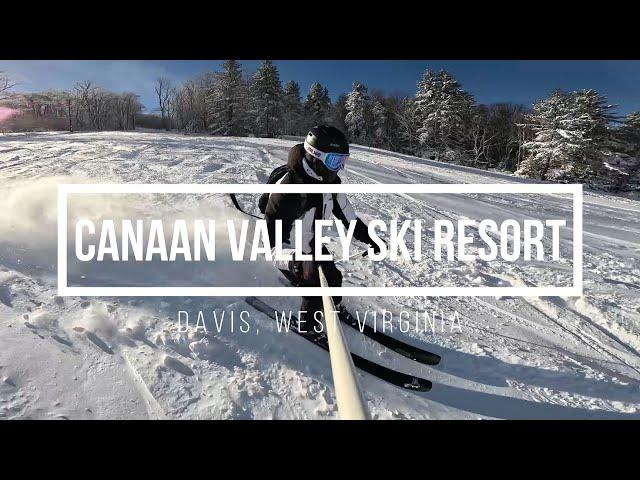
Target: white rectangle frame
{"points": [[130, 188]]}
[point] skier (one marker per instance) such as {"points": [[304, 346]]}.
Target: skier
{"points": [[318, 160]]}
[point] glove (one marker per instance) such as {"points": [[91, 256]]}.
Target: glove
{"points": [[305, 272], [376, 247], [361, 233]]}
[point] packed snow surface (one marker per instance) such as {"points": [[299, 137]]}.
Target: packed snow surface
{"points": [[124, 357]]}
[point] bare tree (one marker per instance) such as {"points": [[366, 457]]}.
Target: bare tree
{"points": [[133, 108], [84, 112], [5, 83], [164, 90], [481, 140]]}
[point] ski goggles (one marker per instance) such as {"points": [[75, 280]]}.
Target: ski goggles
{"points": [[333, 161]]}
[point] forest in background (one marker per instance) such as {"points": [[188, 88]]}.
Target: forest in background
{"points": [[566, 137]]}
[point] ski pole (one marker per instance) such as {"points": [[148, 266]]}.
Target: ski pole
{"points": [[351, 404], [361, 253]]}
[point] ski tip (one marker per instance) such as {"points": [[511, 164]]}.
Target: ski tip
{"points": [[426, 358], [429, 359]]}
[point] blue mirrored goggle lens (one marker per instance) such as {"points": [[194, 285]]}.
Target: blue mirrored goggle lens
{"points": [[335, 161]]}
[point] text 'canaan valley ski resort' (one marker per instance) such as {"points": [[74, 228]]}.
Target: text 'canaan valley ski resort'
{"points": [[195, 240]]}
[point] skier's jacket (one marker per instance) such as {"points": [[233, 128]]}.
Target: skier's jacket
{"points": [[289, 207]]}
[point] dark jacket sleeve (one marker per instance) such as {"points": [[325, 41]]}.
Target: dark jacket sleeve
{"points": [[263, 201], [285, 207]]}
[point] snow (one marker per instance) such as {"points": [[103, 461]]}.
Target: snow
{"points": [[126, 357]]}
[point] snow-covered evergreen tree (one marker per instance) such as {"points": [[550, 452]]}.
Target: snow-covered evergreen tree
{"points": [[621, 170], [455, 111], [555, 153], [227, 101], [594, 113], [629, 132], [594, 117], [317, 106], [340, 113], [380, 136], [571, 137], [293, 113], [425, 109], [444, 109], [358, 112], [631, 135], [266, 100], [408, 118]]}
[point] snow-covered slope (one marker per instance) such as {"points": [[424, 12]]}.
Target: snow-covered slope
{"points": [[124, 357]]}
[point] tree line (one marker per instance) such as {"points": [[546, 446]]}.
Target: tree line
{"points": [[567, 137], [85, 107]]}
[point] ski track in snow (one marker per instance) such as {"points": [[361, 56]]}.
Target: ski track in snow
{"points": [[125, 358]]}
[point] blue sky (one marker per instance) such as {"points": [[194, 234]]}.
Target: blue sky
{"points": [[488, 80]]}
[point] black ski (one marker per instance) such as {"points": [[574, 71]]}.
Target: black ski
{"points": [[403, 380], [414, 353]]}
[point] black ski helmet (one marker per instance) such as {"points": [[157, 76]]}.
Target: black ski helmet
{"points": [[328, 139]]}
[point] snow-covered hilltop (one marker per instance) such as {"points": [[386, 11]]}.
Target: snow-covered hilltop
{"points": [[125, 358]]}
